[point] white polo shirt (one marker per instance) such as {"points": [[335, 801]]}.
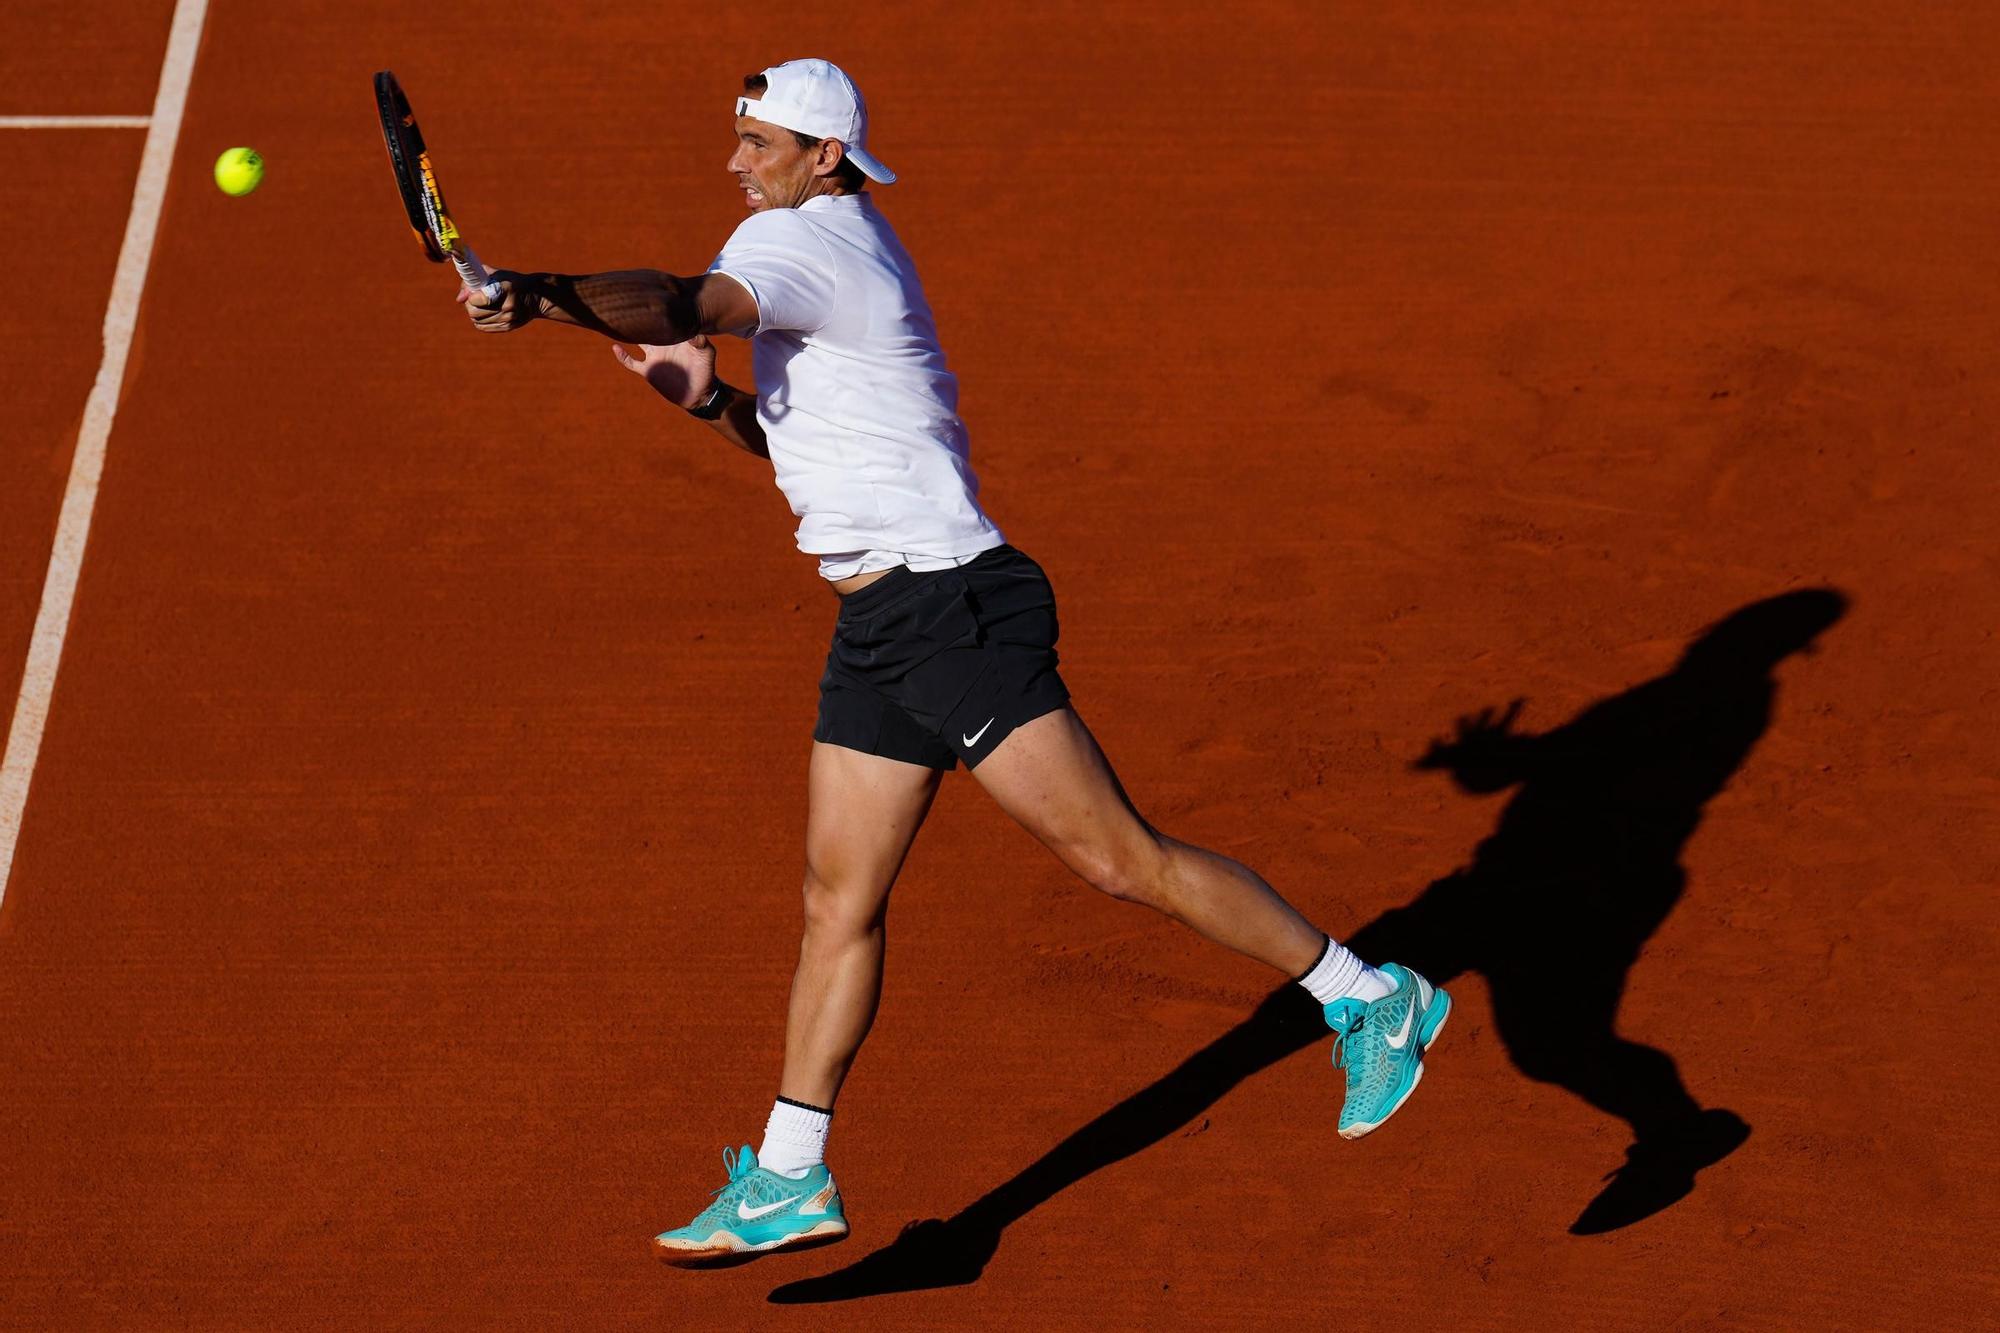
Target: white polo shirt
{"points": [[858, 410]]}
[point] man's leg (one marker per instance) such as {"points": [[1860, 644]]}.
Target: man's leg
{"points": [[863, 813], [1050, 775]]}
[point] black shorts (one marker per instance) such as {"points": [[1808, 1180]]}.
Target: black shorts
{"points": [[937, 667]]}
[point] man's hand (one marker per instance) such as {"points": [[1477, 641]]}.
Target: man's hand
{"points": [[682, 374], [506, 312]]}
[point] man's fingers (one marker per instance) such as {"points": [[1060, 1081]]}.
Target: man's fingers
{"points": [[624, 357]]}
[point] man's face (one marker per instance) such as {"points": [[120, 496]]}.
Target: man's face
{"points": [[769, 165]]}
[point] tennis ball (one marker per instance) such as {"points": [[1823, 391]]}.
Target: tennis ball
{"points": [[239, 171]]}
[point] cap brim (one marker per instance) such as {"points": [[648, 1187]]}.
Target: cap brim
{"points": [[870, 168]]}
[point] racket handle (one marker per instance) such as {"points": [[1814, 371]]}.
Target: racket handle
{"points": [[473, 273]]}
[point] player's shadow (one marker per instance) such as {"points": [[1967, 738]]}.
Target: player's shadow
{"points": [[1583, 868]]}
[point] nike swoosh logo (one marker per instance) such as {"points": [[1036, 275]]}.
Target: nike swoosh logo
{"points": [[973, 739], [749, 1214], [1402, 1038]]}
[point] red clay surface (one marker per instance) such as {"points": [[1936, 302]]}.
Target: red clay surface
{"points": [[403, 914], [64, 59], [64, 216]]}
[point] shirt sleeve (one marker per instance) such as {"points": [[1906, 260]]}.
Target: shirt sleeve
{"points": [[786, 267]]}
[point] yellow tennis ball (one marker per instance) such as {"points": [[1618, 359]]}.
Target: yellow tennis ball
{"points": [[239, 171]]}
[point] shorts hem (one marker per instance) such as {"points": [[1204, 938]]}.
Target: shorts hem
{"points": [[1039, 703], [940, 759]]}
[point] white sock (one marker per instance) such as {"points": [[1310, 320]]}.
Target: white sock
{"points": [[1339, 975], [794, 1138]]}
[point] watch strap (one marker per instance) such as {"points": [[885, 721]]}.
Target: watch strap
{"points": [[710, 408]]}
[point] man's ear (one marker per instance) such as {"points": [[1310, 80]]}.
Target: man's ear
{"points": [[831, 151]]}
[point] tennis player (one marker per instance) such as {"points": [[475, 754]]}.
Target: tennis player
{"points": [[944, 649]]}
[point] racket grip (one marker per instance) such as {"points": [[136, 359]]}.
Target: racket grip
{"points": [[473, 273]]}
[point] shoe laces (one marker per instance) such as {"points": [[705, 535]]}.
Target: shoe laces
{"points": [[739, 1163], [1354, 1047], [1347, 1018]]}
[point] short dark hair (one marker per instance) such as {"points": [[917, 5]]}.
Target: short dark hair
{"points": [[849, 176]]}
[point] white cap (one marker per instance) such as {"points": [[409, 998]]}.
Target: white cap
{"points": [[816, 98]]}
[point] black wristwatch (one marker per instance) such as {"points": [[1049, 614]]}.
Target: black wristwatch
{"points": [[709, 408]]}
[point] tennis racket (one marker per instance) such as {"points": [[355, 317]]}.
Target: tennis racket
{"points": [[416, 181]]}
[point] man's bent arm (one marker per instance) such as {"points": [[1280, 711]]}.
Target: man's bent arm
{"points": [[639, 305], [738, 423]]}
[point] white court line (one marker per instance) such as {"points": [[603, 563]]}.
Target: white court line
{"points": [[121, 317], [74, 122]]}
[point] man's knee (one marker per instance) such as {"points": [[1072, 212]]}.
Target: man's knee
{"points": [[841, 904], [1134, 872]]}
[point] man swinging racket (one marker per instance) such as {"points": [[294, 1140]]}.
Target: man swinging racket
{"points": [[945, 645]]}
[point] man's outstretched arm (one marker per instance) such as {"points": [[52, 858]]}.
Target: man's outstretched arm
{"points": [[632, 305]]}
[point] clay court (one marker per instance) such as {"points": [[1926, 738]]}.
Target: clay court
{"points": [[406, 887]]}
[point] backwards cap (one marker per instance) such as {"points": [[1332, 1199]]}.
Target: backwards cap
{"points": [[816, 98]]}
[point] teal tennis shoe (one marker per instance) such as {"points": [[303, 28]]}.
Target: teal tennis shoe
{"points": [[1382, 1044], [755, 1212]]}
